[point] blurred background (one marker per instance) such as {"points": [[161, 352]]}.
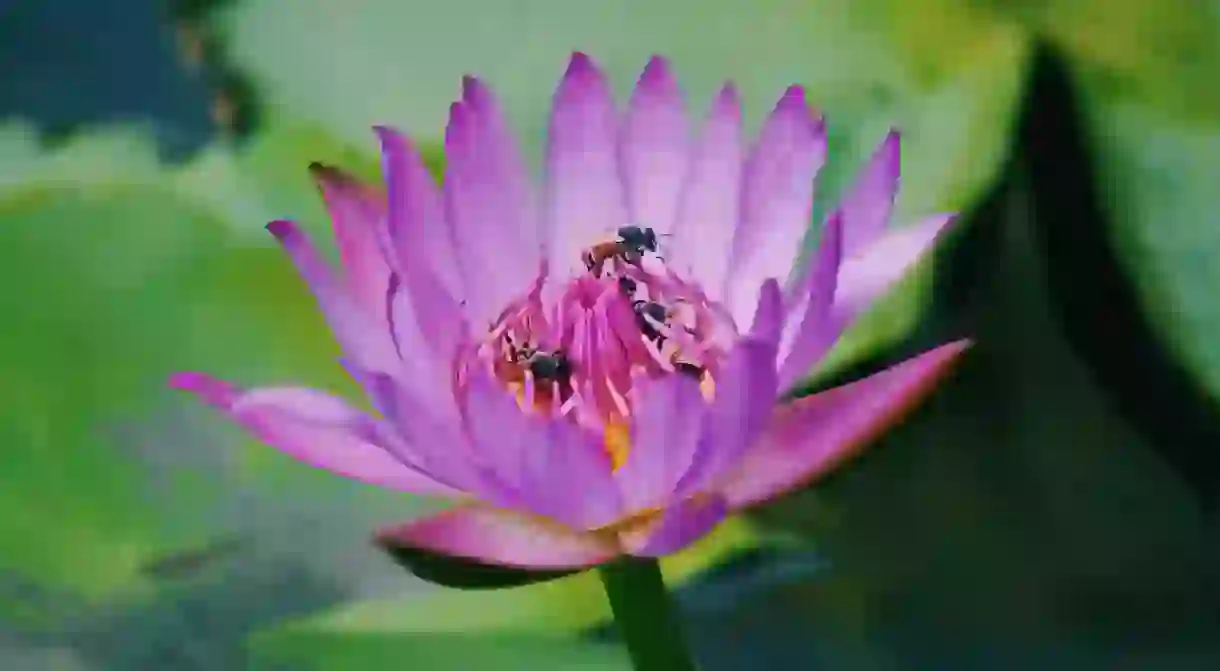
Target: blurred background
{"points": [[1053, 504]]}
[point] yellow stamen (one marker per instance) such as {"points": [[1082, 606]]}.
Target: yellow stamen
{"points": [[617, 441], [707, 386]]}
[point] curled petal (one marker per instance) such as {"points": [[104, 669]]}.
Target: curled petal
{"points": [[363, 337], [357, 215], [584, 196], [867, 206], [676, 528], [665, 433], [423, 240], [777, 199], [811, 326], [812, 435], [501, 537], [319, 429], [654, 148], [869, 272], [710, 202]]}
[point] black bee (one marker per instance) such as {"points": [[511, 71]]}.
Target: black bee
{"points": [[627, 286], [648, 310], [688, 368], [550, 366]]}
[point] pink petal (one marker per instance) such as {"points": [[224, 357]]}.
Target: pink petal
{"points": [[557, 469], [490, 206], [745, 393], [811, 327], [357, 214], [867, 205], [502, 537], [364, 337], [316, 428], [813, 435], [867, 274], [655, 145], [665, 431], [777, 199], [676, 528], [708, 209], [422, 238], [584, 196], [431, 432]]}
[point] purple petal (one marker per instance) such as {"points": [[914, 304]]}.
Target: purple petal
{"points": [[357, 214], [811, 329], [422, 238], [676, 528], [665, 430], [433, 441], [364, 338], [584, 196], [501, 537], [777, 199], [708, 209], [319, 429], [558, 470], [746, 390], [867, 205], [867, 274], [490, 206], [655, 147], [815, 434]]}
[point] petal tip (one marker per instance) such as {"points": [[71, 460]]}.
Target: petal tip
{"points": [[282, 228], [213, 391]]}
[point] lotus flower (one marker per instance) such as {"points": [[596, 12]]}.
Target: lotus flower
{"points": [[593, 369]]}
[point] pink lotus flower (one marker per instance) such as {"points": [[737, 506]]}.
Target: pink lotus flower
{"points": [[583, 400]]}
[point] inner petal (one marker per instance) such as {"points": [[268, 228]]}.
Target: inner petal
{"points": [[571, 352]]}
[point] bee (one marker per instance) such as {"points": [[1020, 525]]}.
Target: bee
{"points": [[628, 247], [687, 368], [647, 312], [627, 286], [545, 366]]}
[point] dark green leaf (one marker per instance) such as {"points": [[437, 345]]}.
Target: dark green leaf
{"points": [[464, 573]]}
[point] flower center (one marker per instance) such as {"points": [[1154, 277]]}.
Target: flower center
{"points": [[576, 348]]}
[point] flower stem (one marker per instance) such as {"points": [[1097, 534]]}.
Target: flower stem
{"points": [[645, 615]]}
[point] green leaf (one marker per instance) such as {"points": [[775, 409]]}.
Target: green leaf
{"points": [[322, 651]]}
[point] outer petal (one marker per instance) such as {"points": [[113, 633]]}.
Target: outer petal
{"points": [[584, 195], [556, 469], [654, 148], [710, 203], [745, 394], [357, 214], [316, 428], [422, 238], [811, 436], [867, 274], [665, 432], [364, 338], [868, 204], [677, 527], [502, 537], [777, 199], [489, 203], [812, 326]]}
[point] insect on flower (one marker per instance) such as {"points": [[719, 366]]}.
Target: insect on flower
{"points": [[579, 415]]}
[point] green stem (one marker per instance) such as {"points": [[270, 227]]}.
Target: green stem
{"points": [[645, 615]]}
